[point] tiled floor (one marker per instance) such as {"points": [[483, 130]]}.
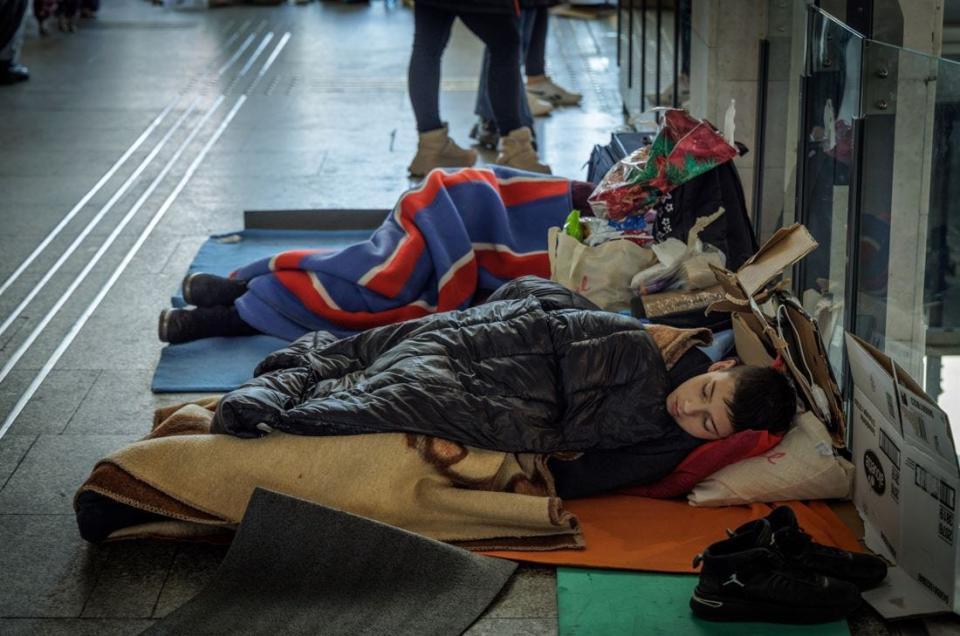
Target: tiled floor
{"points": [[327, 125]]}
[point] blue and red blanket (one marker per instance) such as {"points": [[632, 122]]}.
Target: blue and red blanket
{"points": [[458, 233]]}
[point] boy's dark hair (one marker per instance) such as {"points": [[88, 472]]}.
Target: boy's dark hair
{"points": [[763, 399]]}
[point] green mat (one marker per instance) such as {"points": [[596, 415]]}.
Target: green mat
{"points": [[613, 602]]}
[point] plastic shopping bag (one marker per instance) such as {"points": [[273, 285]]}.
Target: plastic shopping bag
{"points": [[685, 148], [602, 273], [682, 265]]}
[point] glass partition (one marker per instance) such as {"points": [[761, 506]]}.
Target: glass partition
{"points": [[908, 280], [831, 110]]}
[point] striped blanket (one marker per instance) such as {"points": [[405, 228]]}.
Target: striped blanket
{"points": [[458, 233]]}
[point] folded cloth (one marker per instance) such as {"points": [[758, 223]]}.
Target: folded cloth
{"points": [[196, 483], [346, 575]]}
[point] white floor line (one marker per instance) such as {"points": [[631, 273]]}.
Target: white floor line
{"points": [[65, 296], [106, 177], [273, 56], [72, 334], [95, 221], [256, 54], [233, 37], [233, 58], [75, 329], [89, 195], [251, 61]]}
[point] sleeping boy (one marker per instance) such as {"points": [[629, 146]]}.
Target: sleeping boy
{"points": [[536, 368]]}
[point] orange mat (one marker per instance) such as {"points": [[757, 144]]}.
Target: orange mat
{"points": [[636, 533]]}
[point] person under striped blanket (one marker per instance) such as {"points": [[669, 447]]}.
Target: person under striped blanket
{"points": [[446, 245]]}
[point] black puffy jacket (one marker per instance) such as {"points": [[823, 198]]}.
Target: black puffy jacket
{"points": [[534, 369]]}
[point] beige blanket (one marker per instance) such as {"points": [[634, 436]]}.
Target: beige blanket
{"points": [[482, 499], [440, 489]]}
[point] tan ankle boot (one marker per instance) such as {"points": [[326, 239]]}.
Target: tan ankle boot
{"points": [[516, 151], [437, 150]]}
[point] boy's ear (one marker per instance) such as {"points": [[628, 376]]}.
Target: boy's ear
{"points": [[723, 365]]}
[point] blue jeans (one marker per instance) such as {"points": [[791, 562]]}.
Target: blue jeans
{"points": [[484, 108]]}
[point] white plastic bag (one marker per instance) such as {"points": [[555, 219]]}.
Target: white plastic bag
{"points": [[682, 265], [601, 273]]}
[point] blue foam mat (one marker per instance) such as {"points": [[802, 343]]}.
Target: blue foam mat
{"points": [[211, 365], [214, 365]]}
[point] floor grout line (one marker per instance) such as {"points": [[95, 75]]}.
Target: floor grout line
{"points": [[80, 403], [17, 467]]}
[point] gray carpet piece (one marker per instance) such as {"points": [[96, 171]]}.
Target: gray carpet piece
{"points": [[299, 568]]}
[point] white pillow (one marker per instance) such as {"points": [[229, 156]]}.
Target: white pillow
{"points": [[802, 466]]}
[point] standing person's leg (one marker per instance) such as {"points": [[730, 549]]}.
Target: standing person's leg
{"points": [[534, 61], [501, 34], [530, 105], [12, 18], [538, 82], [68, 14], [435, 148], [485, 130], [431, 33]]}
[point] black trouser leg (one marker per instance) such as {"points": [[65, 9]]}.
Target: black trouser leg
{"points": [[501, 34], [431, 34], [536, 63]]}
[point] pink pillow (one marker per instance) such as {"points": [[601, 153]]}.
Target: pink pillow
{"points": [[705, 460]]}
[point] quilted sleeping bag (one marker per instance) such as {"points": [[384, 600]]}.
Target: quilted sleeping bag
{"points": [[535, 369]]}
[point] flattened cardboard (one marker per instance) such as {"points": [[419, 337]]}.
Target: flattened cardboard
{"points": [[803, 350], [787, 246], [750, 348], [906, 481], [808, 333], [902, 597]]}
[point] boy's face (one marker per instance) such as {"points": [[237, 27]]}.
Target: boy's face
{"points": [[699, 405]]}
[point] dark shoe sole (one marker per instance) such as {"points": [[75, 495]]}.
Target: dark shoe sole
{"points": [[863, 584], [162, 324], [719, 609]]}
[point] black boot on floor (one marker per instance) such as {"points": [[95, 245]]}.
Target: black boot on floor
{"points": [[11, 73], [184, 325], [800, 550], [744, 580], [210, 290]]}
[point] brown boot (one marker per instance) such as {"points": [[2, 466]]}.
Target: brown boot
{"points": [[516, 151], [437, 150]]}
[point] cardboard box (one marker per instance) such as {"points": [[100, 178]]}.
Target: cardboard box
{"points": [[906, 483]]}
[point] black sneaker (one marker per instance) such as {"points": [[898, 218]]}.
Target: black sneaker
{"points": [[210, 290], [800, 550], [744, 580]]}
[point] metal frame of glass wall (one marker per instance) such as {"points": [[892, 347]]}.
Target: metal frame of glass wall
{"points": [[878, 154], [653, 52]]}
